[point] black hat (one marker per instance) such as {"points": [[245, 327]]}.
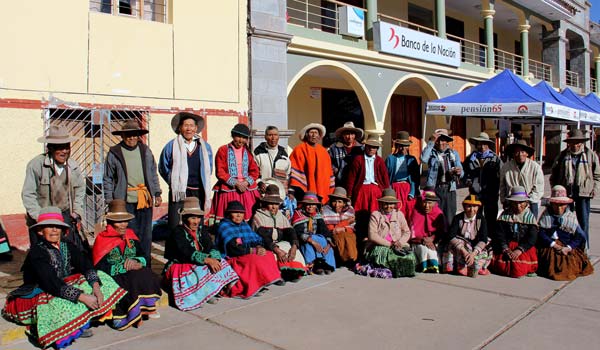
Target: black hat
{"points": [[510, 148], [235, 207], [241, 130]]}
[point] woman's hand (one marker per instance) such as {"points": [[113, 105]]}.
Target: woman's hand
{"points": [[326, 249], [470, 258], [558, 245], [566, 250], [214, 265], [428, 242], [316, 245], [281, 255], [260, 250], [98, 294], [292, 253], [132, 264], [89, 300], [514, 254], [241, 186]]}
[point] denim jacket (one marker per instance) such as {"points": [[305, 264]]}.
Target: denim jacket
{"points": [[430, 156]]}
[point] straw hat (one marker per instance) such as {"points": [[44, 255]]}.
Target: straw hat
{"points": [[576, 136], [272, 195], [482, 138], [317, 126], [181, 116], [472, 200], [57, 135], [50, 216], [191, 206], [373, 140], [444, 134], [388, 196], [518, 194], [310, 198], [403, 138], [132, 127], [117, 211], [340, 193], [559, 195], [510, 149], [235, 207], [349, 126]]}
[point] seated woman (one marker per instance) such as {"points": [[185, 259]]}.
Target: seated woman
{"points": [[255, 266], [117, 252], [468, 251], [62, 292], [278, 235], [338, 215], [388, 238], [516, 233], [428, 227], [315, 238], [195, 272], [561, 240]]}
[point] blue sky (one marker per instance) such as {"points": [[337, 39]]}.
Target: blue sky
{"points": [[595, 10]]}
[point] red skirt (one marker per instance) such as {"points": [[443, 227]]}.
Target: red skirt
{"points": [[367, 198], [526, 263], [402, 191], [255, 272], [222, 198]]}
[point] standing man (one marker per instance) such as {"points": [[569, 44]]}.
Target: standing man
{"points": [[482, 175], [272, 159], [186, 164], [53, 179], [342, 152], [577, 169], [522, 171], [130, 174], [404, 173], [311, 165], [445, 170]]}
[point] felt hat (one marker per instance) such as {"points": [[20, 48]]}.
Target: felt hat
{"points": [[117, 211], [272, 195], [131, 126], [273, 181], [310, 198], [576, 136], [373, 140], [518, 194], [191, 206], [388, 196], [482, 138], [428, 195], [241, 130], [472, 200], [310, 126], [181, 116], [349, 126], [57, 135], [235, 207], [50, 216], [559, 195], [510, 149], [444, 134], [339, 193], [403, 138]]}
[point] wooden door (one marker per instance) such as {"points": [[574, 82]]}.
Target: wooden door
{"points": [[407, 114], [459, 132]]}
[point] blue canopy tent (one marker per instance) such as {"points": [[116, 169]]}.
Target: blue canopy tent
{"points": [[593, 101], [503, 96], [550, 93], [589, 114]]}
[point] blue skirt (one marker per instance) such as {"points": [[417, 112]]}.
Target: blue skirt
{"points": [[310, 254]]}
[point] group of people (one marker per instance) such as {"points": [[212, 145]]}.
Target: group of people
{"points": [[279, 217]]}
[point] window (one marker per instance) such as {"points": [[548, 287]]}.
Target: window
{"points": [[150, 10]]}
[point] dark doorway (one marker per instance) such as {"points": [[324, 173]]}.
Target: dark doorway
{"points": [[407, 114], [338, 107]]}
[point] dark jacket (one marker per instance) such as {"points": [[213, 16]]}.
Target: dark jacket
{"points": [[483, 180], [180, 247], [480, 224], [506, 232]]}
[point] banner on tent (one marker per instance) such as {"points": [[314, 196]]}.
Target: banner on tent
{"points": [[486, 109]]}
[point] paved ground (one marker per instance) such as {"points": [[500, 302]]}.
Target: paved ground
{"points": [[347, 311]]}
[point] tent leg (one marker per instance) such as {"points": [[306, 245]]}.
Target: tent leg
{"points": [[541, 139]]}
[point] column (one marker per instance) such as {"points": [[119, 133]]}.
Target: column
{"points": [[440, 18], [524, 29], [597, 65], [371, 18], [488, 17]]}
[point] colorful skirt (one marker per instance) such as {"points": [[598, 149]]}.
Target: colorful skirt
{"points": [[313, 258], [367, 198], [58, 321], [402, 189], [525, 264], [559, 267], [143, 292], [193, 285], [222, 198], [255, 272], [345, 245], [292, 269], [401, 266], [427, 259], [454, 262]]}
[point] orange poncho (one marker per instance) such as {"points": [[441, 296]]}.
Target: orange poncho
{"points": [[312, 171]]}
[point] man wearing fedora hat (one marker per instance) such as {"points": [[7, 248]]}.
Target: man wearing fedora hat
{"points": [[311, 165], [347, 146], [520, 170], [186, 164], [130, 174], [445, 170], [54, 179], [482, 175], [404, 173], [578, 170]]}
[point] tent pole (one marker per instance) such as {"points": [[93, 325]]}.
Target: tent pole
{"points": [[542, 138], [424, 141]]}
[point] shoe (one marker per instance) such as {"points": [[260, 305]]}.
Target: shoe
{"points": [[155, 315], [533, 274], [86, 333], [280, 283], [295, 280], [328, 272], [484, 272], [212, 300], [260, 292], [319, 271]]}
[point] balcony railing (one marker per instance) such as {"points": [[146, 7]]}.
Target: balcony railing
{"points": [[594, 85], [406, 24], [472, 52], [320, 15], [506, 60], [572, 79], [540, 70], [150, 10]]}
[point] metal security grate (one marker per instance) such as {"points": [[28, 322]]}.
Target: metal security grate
{"points": [[93, 129]]}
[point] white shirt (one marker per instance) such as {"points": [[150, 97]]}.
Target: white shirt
{"points": [[369, 170]]}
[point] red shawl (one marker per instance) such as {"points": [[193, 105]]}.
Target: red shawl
{"points": [[312, 171], [108, 239], [427, 225]]}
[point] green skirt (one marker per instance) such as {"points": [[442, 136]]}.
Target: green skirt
{"points": [[401, 266]]}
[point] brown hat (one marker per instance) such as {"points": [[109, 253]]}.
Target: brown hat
{"points": [[50, 216], [576, 136], [310, 126], [117, 211], [181, 116], [388, 196], [510, 149], [444, 134], [131, 126], [191, 206], [403, 138], [349, 126], [339, 193], [559, 195], [235, 207], [373, 140], [57, 135], [272, 195], [310, 198], [482, 138]]}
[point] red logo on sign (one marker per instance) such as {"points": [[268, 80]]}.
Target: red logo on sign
{"points": [[394, 36]]}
